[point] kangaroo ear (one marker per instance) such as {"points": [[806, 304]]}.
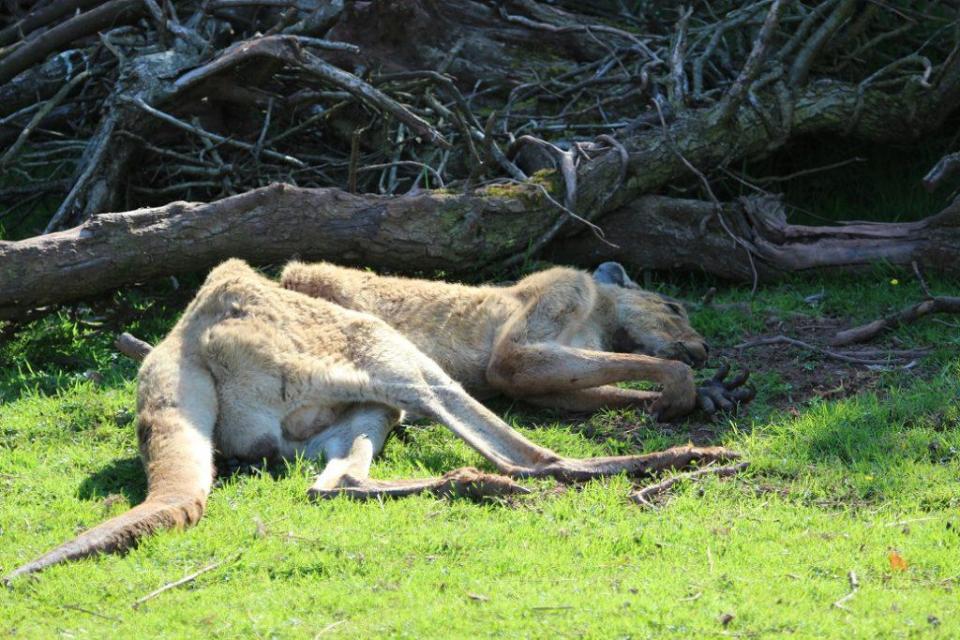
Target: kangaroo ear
{"points": [[612, 273]]}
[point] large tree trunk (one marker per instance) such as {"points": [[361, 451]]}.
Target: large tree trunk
{"points": [[656, 232], [276, 223], [270, 224]]}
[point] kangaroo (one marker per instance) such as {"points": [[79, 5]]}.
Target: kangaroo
{"points": [[256, 371], [558, 338]]}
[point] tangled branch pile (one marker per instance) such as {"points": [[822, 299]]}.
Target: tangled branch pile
{"points": [[502, 128]]}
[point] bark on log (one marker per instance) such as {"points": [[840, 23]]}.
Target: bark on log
{"points": [[267, 225], [435, 231], [656, 232]]}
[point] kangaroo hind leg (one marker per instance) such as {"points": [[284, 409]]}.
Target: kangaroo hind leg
{"points": [[349, 445]]}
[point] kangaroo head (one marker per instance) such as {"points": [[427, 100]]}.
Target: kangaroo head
{"points": [[648, 323]]}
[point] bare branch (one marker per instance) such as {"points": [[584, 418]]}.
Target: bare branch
{"points": [[734, 97]]}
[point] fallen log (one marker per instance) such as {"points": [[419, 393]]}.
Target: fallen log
{"points": [[434, 231], [272, 224], [671, 233]]}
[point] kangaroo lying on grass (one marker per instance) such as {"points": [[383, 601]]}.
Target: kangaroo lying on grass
{"points": [[557, 338], [257, 371]]}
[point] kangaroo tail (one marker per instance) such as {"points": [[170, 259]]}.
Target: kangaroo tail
{"points": [[123, 531], [177, 414]]}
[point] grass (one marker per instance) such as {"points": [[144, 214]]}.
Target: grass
{"points": [[864, 484]]}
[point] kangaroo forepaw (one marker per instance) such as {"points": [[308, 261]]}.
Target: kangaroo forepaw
{"points": [[719, 394]]}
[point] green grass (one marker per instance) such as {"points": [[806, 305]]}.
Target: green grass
{"points": [[834, 487]]}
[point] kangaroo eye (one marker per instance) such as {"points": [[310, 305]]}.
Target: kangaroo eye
{"points": [[675, 308]]}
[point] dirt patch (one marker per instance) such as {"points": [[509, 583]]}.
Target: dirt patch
{"points": [[800, 374]]}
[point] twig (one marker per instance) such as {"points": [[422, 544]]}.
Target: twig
{"points": [[678, 79], [733, 98], [781, 339], [185, 579], [74, 607], [854, 586], [41, 113], [329, 627], [545, 239], [402, 163], [203, 133], [90, 161], [807, 172], [805, 58], [717, 206], [289, 49], [599, 28], [869, 331], [83, 24], [947, 166], [647, 494]]}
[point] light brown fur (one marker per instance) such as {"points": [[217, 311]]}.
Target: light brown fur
{"points": [[254, 370], [552, 338]]}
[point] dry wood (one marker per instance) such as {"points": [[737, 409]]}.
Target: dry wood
{"points": [[872, 357], [60, 36], [400, 234], [854, 587], [869, 331], [271, 224], [185, 579], [316, 89], [649, 493]]}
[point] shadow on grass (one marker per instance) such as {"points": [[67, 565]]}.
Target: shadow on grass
{"points": [[124, 477], [127, 477], [898, 444]]}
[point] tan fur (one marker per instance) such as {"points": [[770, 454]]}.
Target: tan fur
{"points": [[549, 339], [257, 371]]}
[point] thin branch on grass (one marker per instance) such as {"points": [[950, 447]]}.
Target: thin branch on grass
{"points": [[854, 587], [649, 493], [185, 579], [873, 358], [869, 331], [90, 612]]}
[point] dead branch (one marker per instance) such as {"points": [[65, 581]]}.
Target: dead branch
{"points": [[872, 357], [655, 223], [40, 17], [438, 67], [190, 577], [869, 331], [180, 124], [58, 37], [40, 114], [946, 167], [649, 493], [290, 50], [390, 232], [736, 94], [808, 54], [854, 587]]}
